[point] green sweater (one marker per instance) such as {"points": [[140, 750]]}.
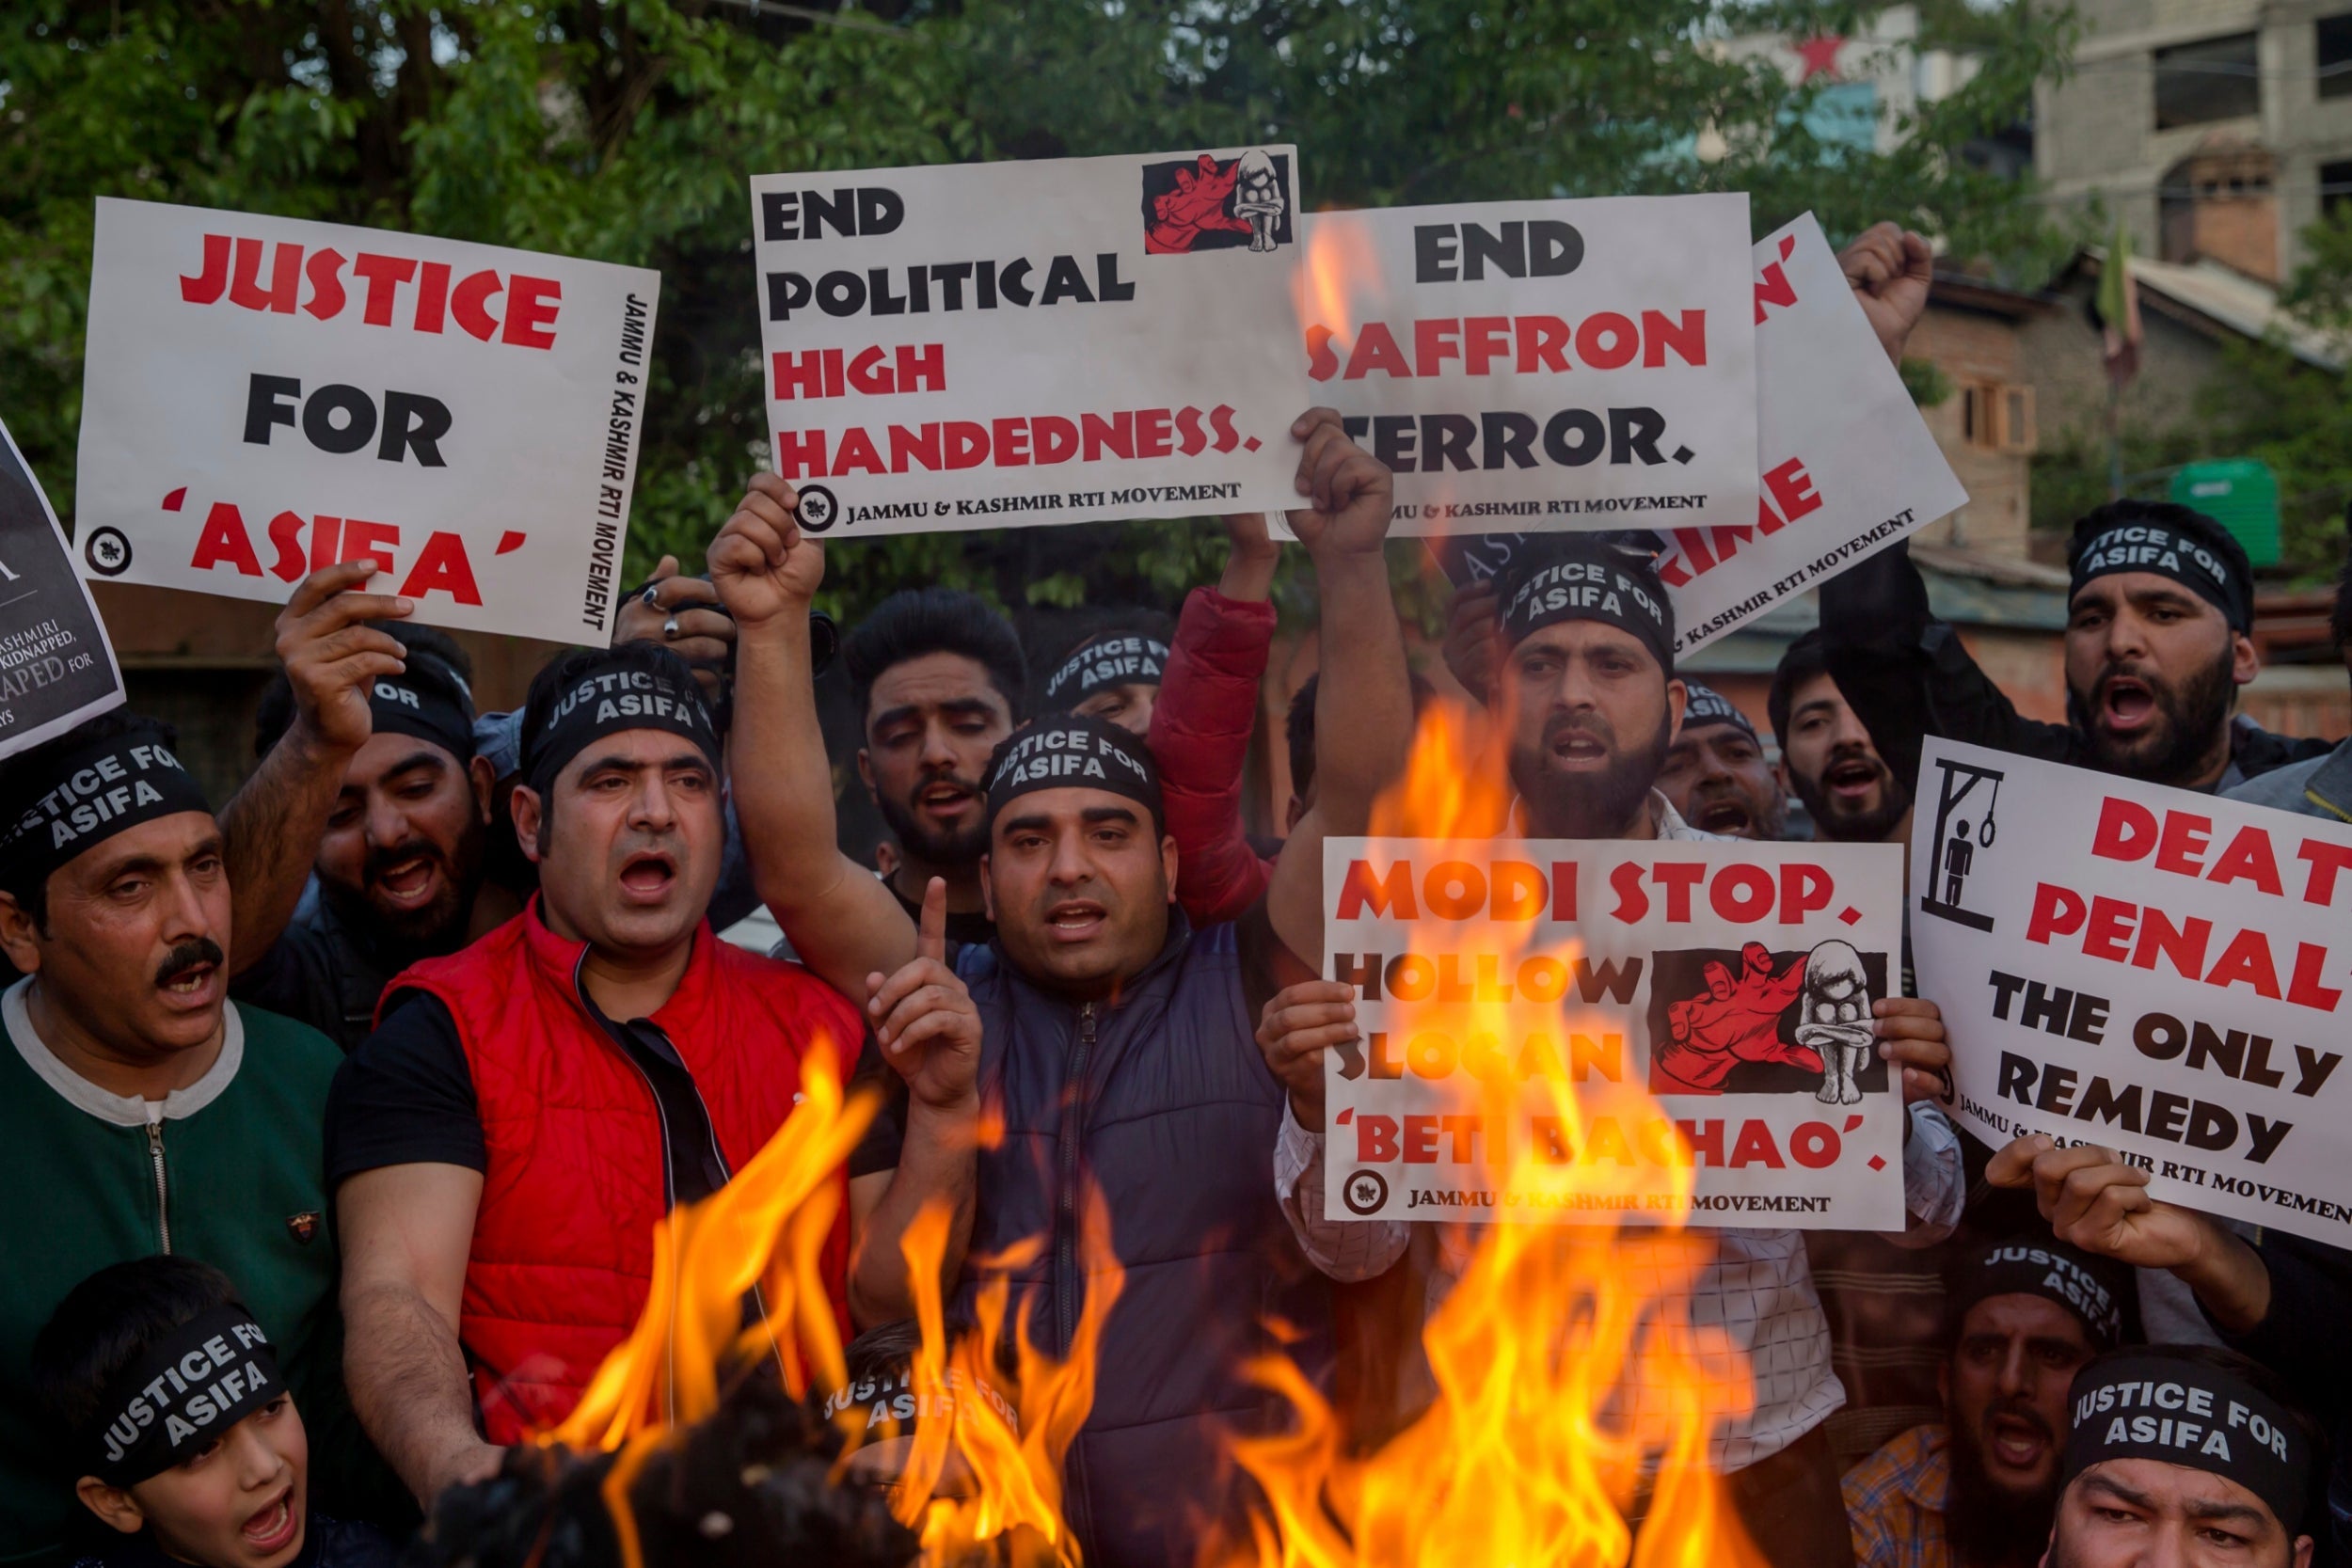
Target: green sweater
{"points": [[228, 1170]]}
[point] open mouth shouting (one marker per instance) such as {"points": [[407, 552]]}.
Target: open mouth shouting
{"points": [[1853, 781], [409, 882], [276, 1526], [1072, 920], [1578, 751], [648, 877], [2126, 704], [1726, 815], [2016, 1442], [190, 978], [950, 802]]}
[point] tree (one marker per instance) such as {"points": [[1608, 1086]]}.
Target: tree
{"points": [[623, 130]]}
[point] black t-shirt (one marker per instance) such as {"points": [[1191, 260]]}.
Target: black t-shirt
{"points": [[406, 1097], [1267, 966], [971, 928]]}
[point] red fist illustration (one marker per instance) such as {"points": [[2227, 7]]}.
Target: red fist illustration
{"points": [[1197, 204], [1737, 1021]]}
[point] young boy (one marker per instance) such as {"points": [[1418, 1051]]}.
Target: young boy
{"points": [[170, 1411]]}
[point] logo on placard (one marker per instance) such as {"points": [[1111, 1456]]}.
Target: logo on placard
{"points": [[1756, 1021], [1364, 1192], [1208, 204], [818, 510], [107, 551], [1963, 825]]}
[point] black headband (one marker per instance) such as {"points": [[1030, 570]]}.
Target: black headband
{"points": [[1073, 752], [1707, 705], [1115, 659], [183, 1395], [2189, 1413], [79, 799], [1585, 576], [2090, 1287], [887, 1406], [611, 697], [2168, 553], [423, 704]]}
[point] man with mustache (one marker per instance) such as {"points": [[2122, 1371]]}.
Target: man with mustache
{"points": [[1826, 757], [1585, 687], [141, 1111], [937, 677], [1716, 774], [1978, 1488], [503, 1144]]}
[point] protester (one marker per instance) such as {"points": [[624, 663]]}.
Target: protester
{"points": [[1715, 774], [1586, 693], [1977, 1489], [209, 1467], [403, 798], [1113, 1030], [502, 1146], [937, 677], [2160, 607], [2184, 1453], [142, 1111], [1826, 758], [1112, 674]]}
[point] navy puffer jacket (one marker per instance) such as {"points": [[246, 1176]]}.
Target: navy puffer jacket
{"points": [[1161, 1100]]}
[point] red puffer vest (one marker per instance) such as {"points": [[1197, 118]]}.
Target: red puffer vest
{"points": [[562, 1246]]}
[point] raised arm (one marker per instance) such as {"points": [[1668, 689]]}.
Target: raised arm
{"points": [[406, 1231], [1201, 724], [273, 824], [1364, 700], [843, 922], [929, 1033]]}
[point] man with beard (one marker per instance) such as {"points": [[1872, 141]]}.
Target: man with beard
{"points": [[1826, 757], [2187, 1454], [2158, 610], [1115, 1036], [141, 1110], [1716, 774], [400, 855], [1586, 687], [1978, 1488], [937, 677], [501, 1148]]}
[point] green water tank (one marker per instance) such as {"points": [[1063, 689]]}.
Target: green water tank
{"points": [[2239, 494]]}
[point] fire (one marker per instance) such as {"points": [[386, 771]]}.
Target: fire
{"points": [[1340, 267], [1567, 1378], [973, 1482]]}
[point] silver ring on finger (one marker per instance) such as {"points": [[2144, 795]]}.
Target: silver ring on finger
{"points": [[669, 629]]}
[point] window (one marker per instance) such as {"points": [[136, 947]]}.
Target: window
{"points": [[2213, 79], [1995, 417], [2335, 187], [2334, 50]]}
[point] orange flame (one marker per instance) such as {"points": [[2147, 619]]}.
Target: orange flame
{"points": [[766, 1229], [1340, 269], [1568, 1379]]}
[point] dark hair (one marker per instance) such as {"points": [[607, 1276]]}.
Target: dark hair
{"points": [[105, 1325], [1807, 658], [435, 660], [1298, 725], [881, 1351], [2171, 514], [917, 621], [20, 773]]}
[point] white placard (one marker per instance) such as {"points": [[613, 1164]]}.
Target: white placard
{"points": [[265, 396], [1709, 1005], [1848, 466], [986, 345], [1542, 365], [2155, 970]]}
